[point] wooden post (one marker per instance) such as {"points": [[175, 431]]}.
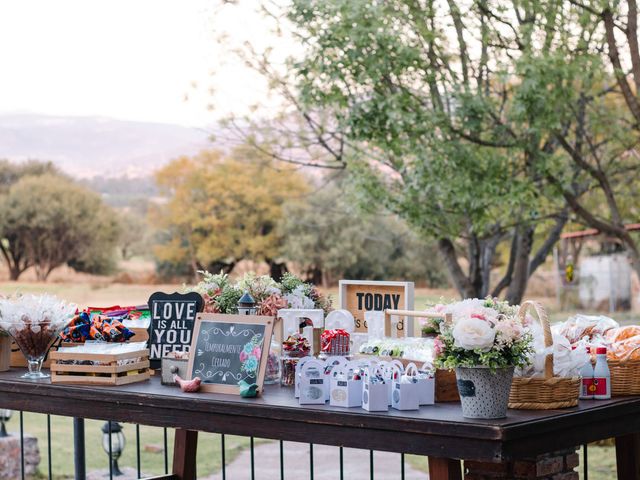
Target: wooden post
{"points": [[628, 456], [444, 469], [185, 446]]}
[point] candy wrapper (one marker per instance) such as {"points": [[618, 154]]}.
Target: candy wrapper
{"points": [[84, 327], [418, 349], [335, 342], [294, 348]]}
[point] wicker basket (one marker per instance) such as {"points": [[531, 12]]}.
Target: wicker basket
{"points": [[547, 392], [625, 376]]}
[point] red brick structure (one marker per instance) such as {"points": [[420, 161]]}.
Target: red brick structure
{"points": [[559, 465]]}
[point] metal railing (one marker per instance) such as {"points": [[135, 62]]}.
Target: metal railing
{"points": [[80, 457]]}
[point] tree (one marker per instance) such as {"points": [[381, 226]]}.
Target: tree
{"points": [[48, 221], [330, 238], [11, 172], [445, 113], [602, 149], [133, 237], [222, 210]]}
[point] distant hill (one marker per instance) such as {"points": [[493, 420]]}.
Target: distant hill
{"points": [[96, 146]]}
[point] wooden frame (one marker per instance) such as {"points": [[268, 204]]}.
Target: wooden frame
{"points": [[448, 317], [379, 287], [232, 319]]}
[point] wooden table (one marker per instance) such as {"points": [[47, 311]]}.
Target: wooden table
{"points": [[438, 431]]}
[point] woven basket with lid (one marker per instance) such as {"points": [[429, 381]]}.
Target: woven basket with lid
{"points": [[547, 392]]}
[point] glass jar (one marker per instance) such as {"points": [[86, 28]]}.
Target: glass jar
{"points": [[272, 373], [289, 360]]}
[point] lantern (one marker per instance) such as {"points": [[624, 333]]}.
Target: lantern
{"points": [[5, 416], [113, 443], [247, 305]]}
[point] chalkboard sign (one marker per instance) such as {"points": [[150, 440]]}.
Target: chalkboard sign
{"points": [[228, 349], [173, 316]]}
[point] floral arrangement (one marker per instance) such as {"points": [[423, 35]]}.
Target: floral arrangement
{"points": [[221, 295], [486, 333]]}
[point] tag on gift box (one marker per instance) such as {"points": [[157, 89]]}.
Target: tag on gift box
{"points": [[405, 391], [374, 392], [312, 380], [299, 365]]}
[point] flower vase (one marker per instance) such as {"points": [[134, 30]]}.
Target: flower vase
{"points": [[484, 393], [5, 352]]}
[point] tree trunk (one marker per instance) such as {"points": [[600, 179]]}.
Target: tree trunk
{"points": [[520, 276], [460, 281], [14, 272], [277, 269]]}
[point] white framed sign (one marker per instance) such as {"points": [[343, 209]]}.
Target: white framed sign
{"points": [[359, 296]]}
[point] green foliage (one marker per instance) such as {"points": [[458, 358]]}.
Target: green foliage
{"points": [[222, 210], [330, 235], [515, 355], [47, 221]]}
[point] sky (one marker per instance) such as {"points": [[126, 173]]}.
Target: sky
{"points": [[144, 60]]}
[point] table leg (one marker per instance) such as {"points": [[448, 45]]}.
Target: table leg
{"points": [[444, 469], [628, 456], [185, 446]]}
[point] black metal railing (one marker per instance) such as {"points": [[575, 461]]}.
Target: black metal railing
{"points": [[80, 457]]}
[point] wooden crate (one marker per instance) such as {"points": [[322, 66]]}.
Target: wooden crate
{"points": [[109, 373]]}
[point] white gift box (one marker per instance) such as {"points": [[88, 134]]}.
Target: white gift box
{"points": [[299, 366], [332, 365], [345, 391], [405, 391], [374, 395], [312, 380], [426, 383]]}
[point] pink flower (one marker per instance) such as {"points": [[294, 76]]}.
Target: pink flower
{"points": [[438, 346], [256, 352], [243, 356]]}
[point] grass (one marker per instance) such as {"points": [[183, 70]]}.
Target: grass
{"points": [[601, 458], [152, 461]]}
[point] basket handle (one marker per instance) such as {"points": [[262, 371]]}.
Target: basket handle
{"points": [[543, 319], [448, 317]]}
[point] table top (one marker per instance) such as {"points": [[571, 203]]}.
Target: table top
{"points": [[438, 430]]}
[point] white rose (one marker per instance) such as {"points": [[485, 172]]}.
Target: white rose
{"points": [[473, 334]]}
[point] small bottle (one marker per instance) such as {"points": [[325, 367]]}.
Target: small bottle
{"points": [[586, 384], [601, 376]]}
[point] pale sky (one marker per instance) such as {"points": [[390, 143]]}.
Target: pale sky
{"points": [[127, 59]]}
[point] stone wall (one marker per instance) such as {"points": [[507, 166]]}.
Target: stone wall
{"points": [[10, 465]]}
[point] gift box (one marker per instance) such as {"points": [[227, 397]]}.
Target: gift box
{"points": [[298, 369], [312, 381], [346, 387], [426, 383], [405, 391], [374, 392], [390, 371], [332, 364]]}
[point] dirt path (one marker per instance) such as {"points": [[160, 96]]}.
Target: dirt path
{"points": [[326, 464]]}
